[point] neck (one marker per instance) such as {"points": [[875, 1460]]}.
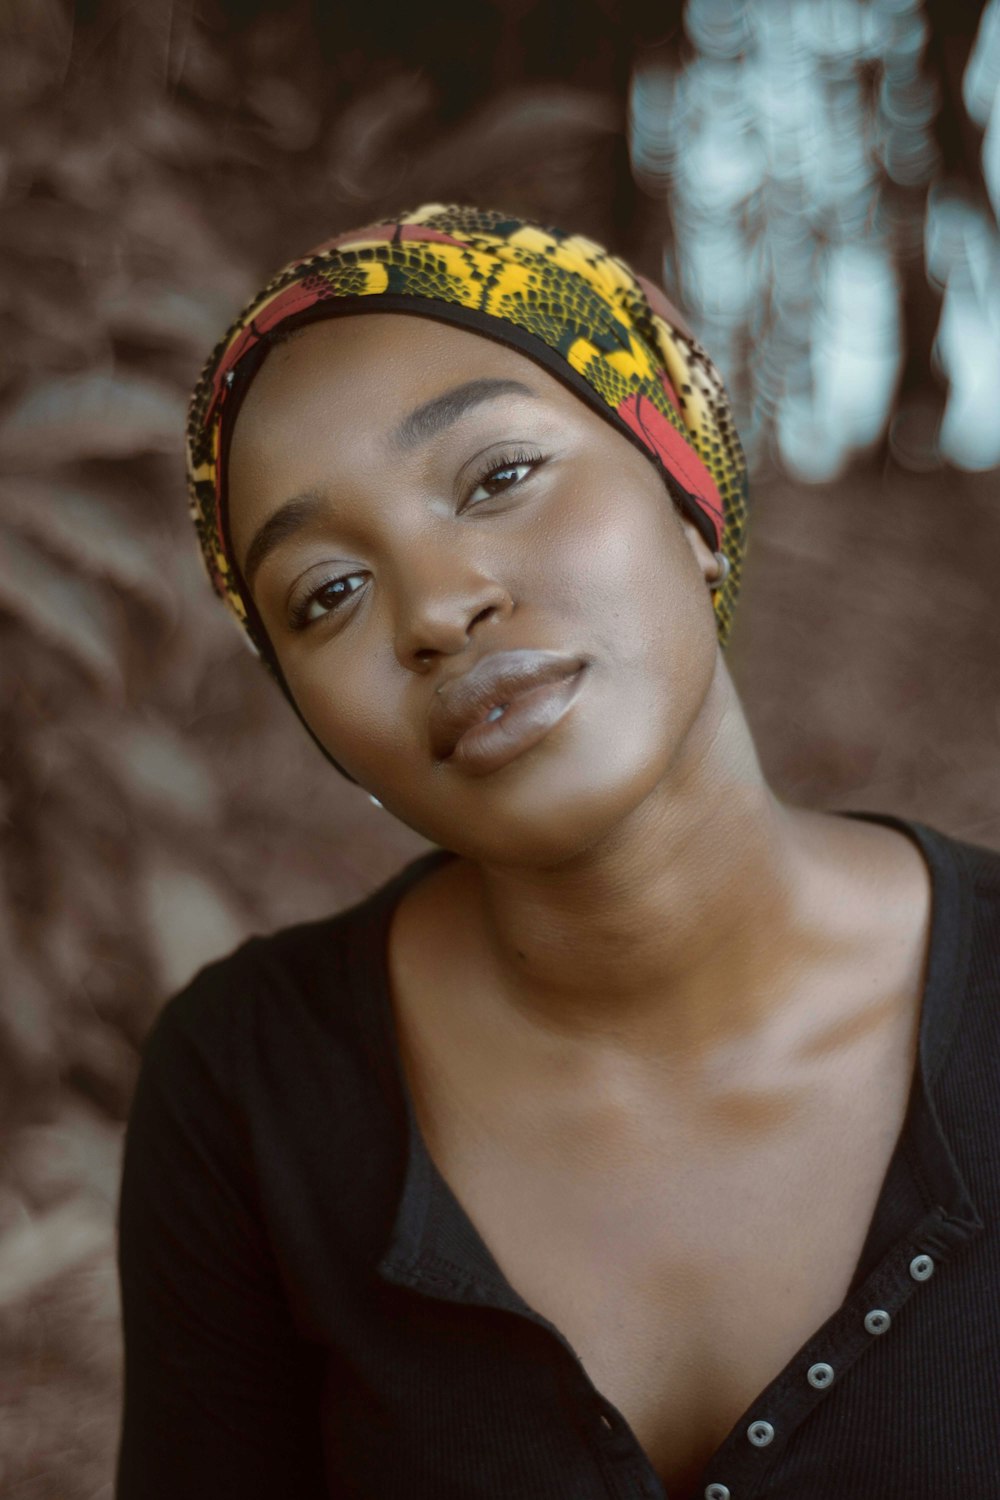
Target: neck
{"points": [[663, 938]]}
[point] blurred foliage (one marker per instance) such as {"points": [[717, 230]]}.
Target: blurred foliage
{"points": [[158, 799], [823, 196]]}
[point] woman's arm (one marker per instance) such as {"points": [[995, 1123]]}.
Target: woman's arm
{"points": [[220, 1394]]}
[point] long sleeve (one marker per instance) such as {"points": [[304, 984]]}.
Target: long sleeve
{"points": [[220, 1393]]}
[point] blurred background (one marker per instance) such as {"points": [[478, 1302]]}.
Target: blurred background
{"points": [[816, 182]]}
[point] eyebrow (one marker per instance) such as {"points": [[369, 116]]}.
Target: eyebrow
{"points": [[433, 416], [286, 521], [419, 426]]}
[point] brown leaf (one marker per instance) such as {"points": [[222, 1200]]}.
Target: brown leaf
{"points": [[73, 615], [96, 415], [190, 920], [85, 527], [164, 316], [154, 767], [79, 1149], [54, 1242]]}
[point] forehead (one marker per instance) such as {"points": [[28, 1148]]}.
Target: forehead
{"points": [[335, 393], [396, 357]]}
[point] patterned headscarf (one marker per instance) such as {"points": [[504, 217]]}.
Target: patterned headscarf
{"points": [[558, 298]]}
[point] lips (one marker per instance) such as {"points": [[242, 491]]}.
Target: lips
{"points": [[492, 683]]}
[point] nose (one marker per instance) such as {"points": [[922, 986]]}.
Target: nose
{"points": [[442, 601]]}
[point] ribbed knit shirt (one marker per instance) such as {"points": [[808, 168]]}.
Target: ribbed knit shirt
{"points": [[309, 1312]]}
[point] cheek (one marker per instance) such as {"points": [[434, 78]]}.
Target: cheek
{"points": [[626, 575], [360, 715]]}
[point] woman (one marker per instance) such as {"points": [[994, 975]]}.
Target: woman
{"points": [[640, 1139]]}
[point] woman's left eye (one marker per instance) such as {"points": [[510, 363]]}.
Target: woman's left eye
{"points": [[502, 474]]}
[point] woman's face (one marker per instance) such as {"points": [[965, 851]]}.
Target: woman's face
{"points": [[450, 500]]}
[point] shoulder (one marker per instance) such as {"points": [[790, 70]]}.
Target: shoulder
{"points": [[961, 867], [962, 987], [304, 1003], [979, 904], [966, 884], [268, 1116], [982, 863], [242, 1064], [238, 1000], [973, 866], [262, 981]]}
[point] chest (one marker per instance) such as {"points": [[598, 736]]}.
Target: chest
{"points": [[686, 1232], [684, 1267]]}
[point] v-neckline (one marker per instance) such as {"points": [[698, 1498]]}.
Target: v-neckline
{"points": [[430, 1220]]}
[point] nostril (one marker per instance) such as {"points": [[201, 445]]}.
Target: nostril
{"points": [[482, 614]]}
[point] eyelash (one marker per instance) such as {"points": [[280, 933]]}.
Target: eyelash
{"points": [[299, 614]]}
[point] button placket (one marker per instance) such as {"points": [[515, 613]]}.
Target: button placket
{"points": [[824, 1364]]}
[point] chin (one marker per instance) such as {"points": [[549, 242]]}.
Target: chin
{"points": [[549, 813]]}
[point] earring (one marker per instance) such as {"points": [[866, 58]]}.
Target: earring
{"points": [[725, 568], [373, 798]]}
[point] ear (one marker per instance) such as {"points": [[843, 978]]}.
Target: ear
{"points": [[703, 554]]}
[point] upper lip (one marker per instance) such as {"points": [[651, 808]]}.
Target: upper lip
{"points": [[493, 680]]}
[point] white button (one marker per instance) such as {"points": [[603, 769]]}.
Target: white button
{"points": [[921, 1267], [760, 1434], [877, 1321], [820, 1376], [716, 1492]]}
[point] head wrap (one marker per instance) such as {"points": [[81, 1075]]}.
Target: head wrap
{"points": [[558, 298]]}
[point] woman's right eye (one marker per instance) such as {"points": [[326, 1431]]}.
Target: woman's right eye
{"points": [[332, 592]]}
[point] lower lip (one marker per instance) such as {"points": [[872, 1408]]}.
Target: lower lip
{"points": [[524, 722]]}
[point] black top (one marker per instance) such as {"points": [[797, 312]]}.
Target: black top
{"points": [[309, 1312]]}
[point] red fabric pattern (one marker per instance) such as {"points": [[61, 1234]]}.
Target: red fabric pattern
{"points": [[659, 434]]}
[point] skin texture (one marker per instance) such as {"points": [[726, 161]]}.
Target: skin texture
{"points": [[658, 1027]]}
